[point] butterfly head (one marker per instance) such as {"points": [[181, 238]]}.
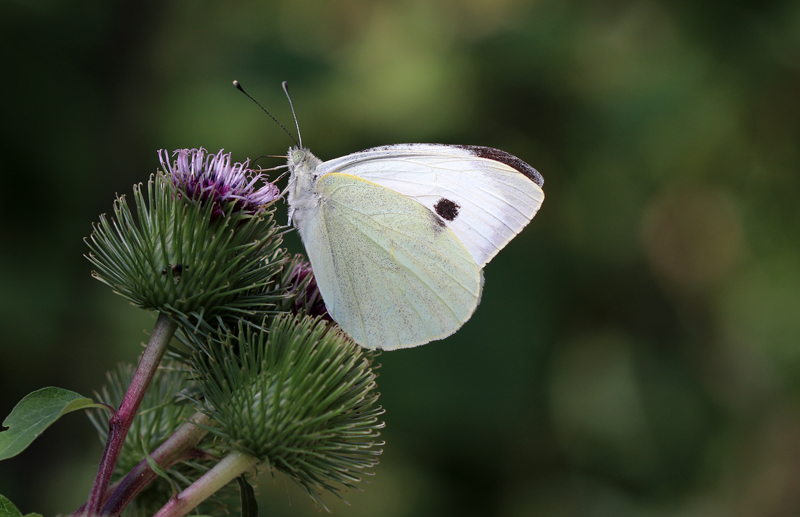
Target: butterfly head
{"points": [[301, 162]]}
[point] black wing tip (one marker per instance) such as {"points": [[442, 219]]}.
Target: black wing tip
{"points": [[490, 153]]}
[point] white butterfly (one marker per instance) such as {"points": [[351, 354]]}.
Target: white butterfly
{"points": [[398, 235]]}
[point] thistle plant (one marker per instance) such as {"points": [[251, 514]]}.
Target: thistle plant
{"points": [[261, 378], [296, 396], [204, 242]]}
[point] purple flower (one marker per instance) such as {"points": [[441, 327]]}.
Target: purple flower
{"points": [[213, 179], [307, 296]]}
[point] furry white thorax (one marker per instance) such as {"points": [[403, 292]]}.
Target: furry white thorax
{"points": [[301, 196]]}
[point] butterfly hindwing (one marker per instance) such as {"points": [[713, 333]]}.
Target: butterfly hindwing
{"points": [[391, 272]]}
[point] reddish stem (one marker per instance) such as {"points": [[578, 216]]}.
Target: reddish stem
{"points": [[178, 447], [119, 424]]}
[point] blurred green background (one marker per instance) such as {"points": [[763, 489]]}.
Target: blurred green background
{"points": [[637, 350]]}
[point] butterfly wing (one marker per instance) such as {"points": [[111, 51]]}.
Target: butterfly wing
{"points": [[391, 273], [486, 196]]}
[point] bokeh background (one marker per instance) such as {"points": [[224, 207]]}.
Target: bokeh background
{"points": [[637, 350]]}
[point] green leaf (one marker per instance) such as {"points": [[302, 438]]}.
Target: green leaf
{"points": [[7, 509], [249, 504], [35, 413]]}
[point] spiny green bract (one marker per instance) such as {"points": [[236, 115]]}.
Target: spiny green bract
{"points": [[179, 258], [301, 397]]}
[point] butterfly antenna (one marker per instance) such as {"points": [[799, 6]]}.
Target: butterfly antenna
{"points": [[239, 87], [286, 90]]}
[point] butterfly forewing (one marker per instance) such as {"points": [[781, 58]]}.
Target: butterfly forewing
{"points": [[484, 195]]}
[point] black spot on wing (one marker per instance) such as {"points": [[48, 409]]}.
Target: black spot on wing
{"points": [[447, 209], [506, 158]]}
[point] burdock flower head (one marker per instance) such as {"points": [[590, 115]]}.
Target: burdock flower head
{"points": [[303, 296], [213, 179], [299, 397], [203, 244]]}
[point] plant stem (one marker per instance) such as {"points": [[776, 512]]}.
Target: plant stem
{"points": [[231, 466], [178, 447], [119, 424]]}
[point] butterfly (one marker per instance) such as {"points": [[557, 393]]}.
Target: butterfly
{"points": [[398, 235]]}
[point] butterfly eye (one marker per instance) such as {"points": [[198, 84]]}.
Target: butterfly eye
{"points": [[298, 155]]}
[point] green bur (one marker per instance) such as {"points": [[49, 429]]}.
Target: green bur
{"points": [[179, 257], [300, 396]]}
